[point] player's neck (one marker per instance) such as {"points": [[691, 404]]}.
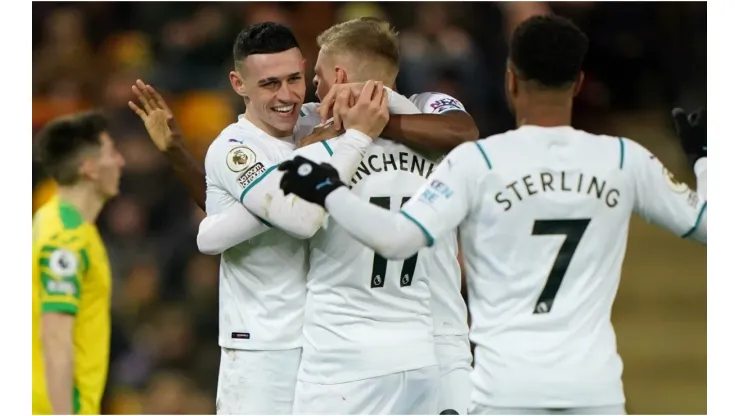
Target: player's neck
{"points": [[545, 109], [545, 116], [86, 200]]}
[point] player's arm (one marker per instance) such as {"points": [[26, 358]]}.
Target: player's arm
{"points": [[437, 208], [62, 269], [662, 200], [443, 125], [219, 232], [164, 132], [438, 123]]}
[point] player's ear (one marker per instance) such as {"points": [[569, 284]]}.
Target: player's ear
{"points": [[88, 168], [237, 84], [511, 82], [579, 84]]}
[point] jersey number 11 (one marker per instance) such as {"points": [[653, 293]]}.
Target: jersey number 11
{"points": [[380, 263]]}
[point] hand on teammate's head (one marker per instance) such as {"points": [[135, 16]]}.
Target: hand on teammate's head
{"points": [[368, 114], [326, 109]]}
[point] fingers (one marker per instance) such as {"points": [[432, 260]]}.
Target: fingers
{"points": [[288, 165], [341, 106], [327, 103], [139, 112], [378, 93], [366, 94], [157, 98], [142, 98], [680, 119], [384, 98]]}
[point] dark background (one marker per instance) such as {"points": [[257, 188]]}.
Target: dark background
{"points": [[644, 59]]}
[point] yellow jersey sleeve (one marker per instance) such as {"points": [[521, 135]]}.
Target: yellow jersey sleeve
{"points": [[63, 264]]}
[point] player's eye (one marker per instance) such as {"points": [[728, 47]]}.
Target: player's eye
{"points": [[295, 79], [270, 84]]}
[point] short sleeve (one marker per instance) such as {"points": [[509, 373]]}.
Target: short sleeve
{"points": [[63, 264], [437, 103], [443, 202], [238, 165], [318, 152]]}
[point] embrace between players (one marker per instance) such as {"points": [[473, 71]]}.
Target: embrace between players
{"points": [[339, 299]]}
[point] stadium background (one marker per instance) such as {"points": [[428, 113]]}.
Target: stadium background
{"points": [[644, 58]]}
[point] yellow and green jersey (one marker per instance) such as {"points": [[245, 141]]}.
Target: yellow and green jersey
{"points": [[71, 275]]}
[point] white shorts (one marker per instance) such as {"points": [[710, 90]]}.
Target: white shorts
{"points": [[257, 382], [477, 409], [455, 364], [411, 392]]}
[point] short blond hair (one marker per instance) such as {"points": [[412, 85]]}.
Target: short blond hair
{"points": [[363, 37]]}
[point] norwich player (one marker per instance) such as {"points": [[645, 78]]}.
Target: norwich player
{"points": [[71, 274]]}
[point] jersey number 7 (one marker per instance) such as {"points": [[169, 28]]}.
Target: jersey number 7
{"points": [[380, 263], [573, 231]]}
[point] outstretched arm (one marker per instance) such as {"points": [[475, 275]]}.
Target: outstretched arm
{"points": [[443, 125], [164, 132], [430, 121]]}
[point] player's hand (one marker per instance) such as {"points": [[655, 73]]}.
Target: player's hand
{"points": [[329, 102], [692, 129], [156, 115], [309, 180], [320, 134], [369, 114]]}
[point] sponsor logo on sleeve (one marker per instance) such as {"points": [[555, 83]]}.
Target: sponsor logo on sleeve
{"points": [[251, 174], [445, 104], [675, 185], [436, 190], [240, 158]]}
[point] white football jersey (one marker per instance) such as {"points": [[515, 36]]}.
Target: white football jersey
{"points": [[543, 216], [262, 285], [367, 316], [449, 312]]}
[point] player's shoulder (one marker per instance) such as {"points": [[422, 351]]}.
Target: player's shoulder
{"points": [[238, 146], [436, 102], [58, 224]]}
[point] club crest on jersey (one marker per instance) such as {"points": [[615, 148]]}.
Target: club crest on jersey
{"points": [[674, 183], [240, 158], [251, 174], [445, 104], [63, 263]]}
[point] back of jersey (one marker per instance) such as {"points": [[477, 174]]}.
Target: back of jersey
{"points": [[367, 316], [546, 240]]}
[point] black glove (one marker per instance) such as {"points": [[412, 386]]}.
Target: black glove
{"points": [[692, 130], [309, 180]]}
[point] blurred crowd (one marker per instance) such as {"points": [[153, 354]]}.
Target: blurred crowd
{"points": [[164, 355]]}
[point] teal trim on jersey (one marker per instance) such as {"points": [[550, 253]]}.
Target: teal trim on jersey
{"points": [[449, 110], [264, 222], [430, 239], [302, 113], [698, 221], [621, 153], [327, 147], [485, 156], [255, 182]]}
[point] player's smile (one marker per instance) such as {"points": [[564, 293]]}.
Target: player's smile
{"points": [[286, 111]]}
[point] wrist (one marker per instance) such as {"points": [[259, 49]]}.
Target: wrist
{"points": [[173, 145], [357, 135]]}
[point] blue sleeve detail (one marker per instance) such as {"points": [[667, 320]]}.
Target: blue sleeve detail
{"points": [[327, 147], [488, 162], [621, 153], [698, 221], [255, 182], [430, 239]]}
